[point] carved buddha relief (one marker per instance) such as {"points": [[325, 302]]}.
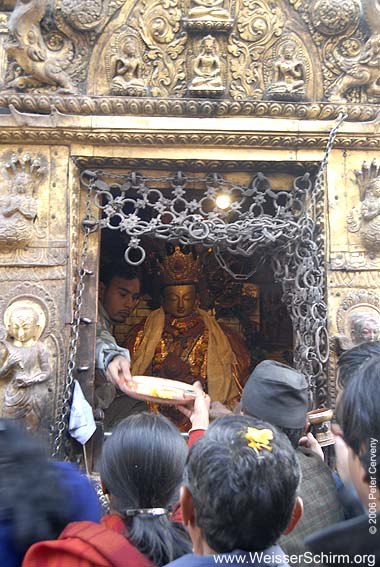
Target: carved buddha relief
{"points": [[18, 206], [126, 67], [207, 79], [289, 74], [366, 218]]}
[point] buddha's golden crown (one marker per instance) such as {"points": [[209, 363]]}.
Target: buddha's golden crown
{"points": [[179, 268]]}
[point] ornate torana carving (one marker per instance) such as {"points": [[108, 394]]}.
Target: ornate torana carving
{"points": [[367, 218], [305, 51], [18, 206], [24, 363], [358, 319], [33, 63]]}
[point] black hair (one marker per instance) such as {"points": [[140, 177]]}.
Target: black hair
{"points": [[142, 467], [351, 360], [122, 270], [242, 499], [294, 435], [359, 416], [32, 497]]}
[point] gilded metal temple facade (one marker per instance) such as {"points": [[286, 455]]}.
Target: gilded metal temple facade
{"points": [[220, 86]]}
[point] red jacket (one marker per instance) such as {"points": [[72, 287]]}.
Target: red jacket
{"points": [[87, 544]]}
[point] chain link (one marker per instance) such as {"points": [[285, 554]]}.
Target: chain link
{"points": [[88, 225]]}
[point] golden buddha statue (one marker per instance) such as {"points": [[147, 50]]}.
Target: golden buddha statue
{"points": [[127, 69], [289, 72], [180, 341], [208, 9]]}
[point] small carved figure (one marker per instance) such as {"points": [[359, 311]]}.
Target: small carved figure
{"points": [[27, 47], [288, 73], [17, 213], [368, 219], [25, 362], [127, 70], [208, 9], [207, 67]]}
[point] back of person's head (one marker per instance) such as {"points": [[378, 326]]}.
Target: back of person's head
{"points": [[358, 414], [35, 503], [243, 493], [142, 468], [351, 360], [118, 269], [278, 394]]}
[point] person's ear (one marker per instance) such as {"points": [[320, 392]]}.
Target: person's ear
{"points": [[296, 515], [187, 506], [102, 291]]}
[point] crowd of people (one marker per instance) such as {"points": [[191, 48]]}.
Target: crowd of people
{"points": [[250, 488]]}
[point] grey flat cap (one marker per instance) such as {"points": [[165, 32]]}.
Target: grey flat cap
{"points": [[276, 393]]}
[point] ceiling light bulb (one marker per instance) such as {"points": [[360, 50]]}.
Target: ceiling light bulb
{"points": [[223, 201]]}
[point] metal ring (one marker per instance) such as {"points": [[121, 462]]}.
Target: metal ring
{"points": [[128, 251]]}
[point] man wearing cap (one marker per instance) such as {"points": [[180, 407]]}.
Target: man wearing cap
{"points": [[278, 394]]}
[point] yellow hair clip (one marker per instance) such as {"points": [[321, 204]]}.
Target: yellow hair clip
{"points": [[259, 439]]}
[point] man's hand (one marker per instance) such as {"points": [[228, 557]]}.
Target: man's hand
{"points": [[199, 414], [119, 372], [310, 442]]}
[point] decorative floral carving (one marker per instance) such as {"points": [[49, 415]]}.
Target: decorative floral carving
{"points": [[332, 17], [159, 25], [18, 208], [258, 25], [85, 14]]}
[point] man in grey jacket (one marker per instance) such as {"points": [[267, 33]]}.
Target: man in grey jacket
{"points": [[119, 293]]}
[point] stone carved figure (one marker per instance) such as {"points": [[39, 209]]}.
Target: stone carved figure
{"points": [[362, 325], [364, 69], [38, 65], [18, 208], [368, 218], [126, 69], [25, 363], [207, 68], [288, 74], [208, 9]]}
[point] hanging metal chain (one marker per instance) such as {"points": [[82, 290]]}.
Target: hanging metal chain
{"points": [[89, 225]]}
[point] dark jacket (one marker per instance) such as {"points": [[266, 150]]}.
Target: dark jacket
{"points": [[352, 537], [322, 506]]}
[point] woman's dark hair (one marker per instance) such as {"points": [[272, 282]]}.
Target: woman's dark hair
{"points": [[142, 467], [243, 499], [32, 501], [359, 416]]}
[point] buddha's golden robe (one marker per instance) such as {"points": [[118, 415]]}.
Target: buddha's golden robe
{"points": [[189, 349]]}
